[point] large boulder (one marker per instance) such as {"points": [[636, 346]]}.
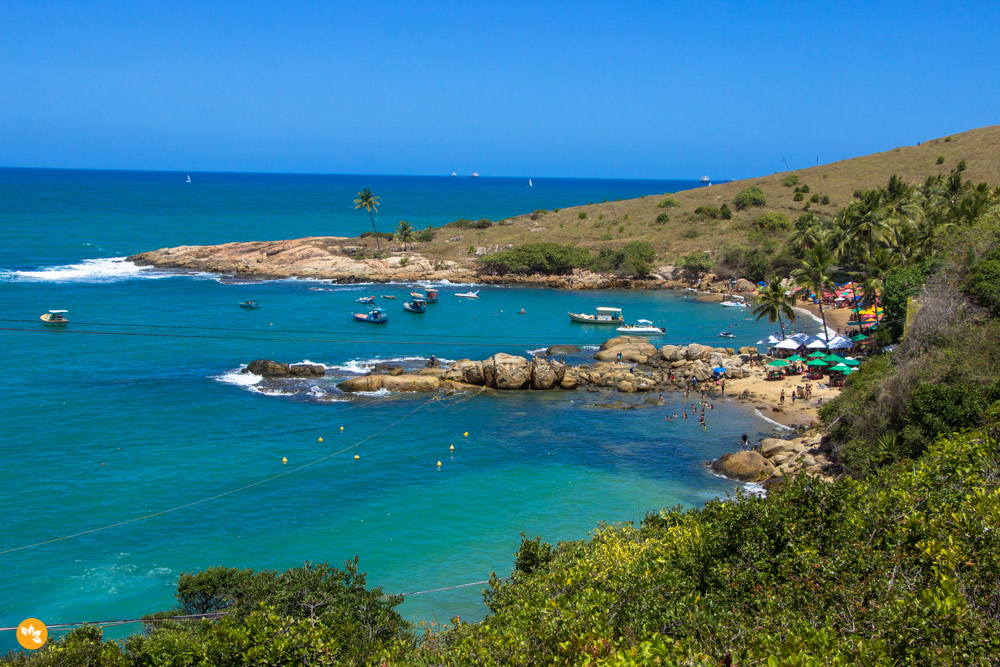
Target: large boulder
{"points": [[364, 383], [702, 371], [748, 349], [634, 350], [772, 446], [561, 350], [744, 466], [667, 352], [467, 372], [410, 383], [569, 381], [506, 371], [696, 352], [543, 376]]}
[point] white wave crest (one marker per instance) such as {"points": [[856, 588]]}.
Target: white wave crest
{"points": [[239, 378], [103, 270], [537, 351], [379, 393], [759, 414]]}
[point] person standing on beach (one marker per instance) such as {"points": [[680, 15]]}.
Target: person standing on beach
{"points": [[745, 438], [781, 399]]}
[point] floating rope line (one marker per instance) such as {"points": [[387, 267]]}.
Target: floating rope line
{"points": [[226, 493], [450, 588]]}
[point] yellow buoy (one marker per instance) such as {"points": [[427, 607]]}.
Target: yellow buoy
{"points": [[452, 448], [466, 434], [321, 439], [357, 456], [341, 428], [439, 464], [284, 460]]}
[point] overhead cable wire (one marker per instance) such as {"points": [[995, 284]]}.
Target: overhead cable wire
{"points": [[219, 495]]}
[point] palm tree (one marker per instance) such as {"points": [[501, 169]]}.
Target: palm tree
{"points": [[773, 302], [366, 200], [813, 275], [404, 232]]}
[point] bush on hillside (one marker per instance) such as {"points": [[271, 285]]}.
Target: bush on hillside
{"points": [[790, 180], [726, 212], [425, 235], [544, 258], [634, 259], [983, 283], [382, 235], [712, 212], [798, 196], [771, 222], [662, 219], [462, 223], [666, 203], [753, 196]]}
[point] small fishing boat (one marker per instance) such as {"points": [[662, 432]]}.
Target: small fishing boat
{"points": [[642, 327], [418, 296], [604, 315], [55, 318], [415, 306], [432, 296], [250, 305], [373, 316], [727, 334], [468, 295], [388, 296], [370, 300]]}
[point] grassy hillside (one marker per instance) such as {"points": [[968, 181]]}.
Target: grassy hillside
{"points": [[612, 224]]}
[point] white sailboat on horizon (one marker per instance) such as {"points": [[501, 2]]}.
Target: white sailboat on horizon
{"points": [[189, 178], [530, 184]]}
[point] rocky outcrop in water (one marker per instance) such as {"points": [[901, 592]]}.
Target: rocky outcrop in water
{"points": [[273, 369]]}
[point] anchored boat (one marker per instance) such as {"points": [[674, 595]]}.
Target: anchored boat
{"points": [[55, 318], [735, 301], [370, 300], [642, 327], [468, 295], [251, 305], [373, 316], [604, 315], [415, 306]]}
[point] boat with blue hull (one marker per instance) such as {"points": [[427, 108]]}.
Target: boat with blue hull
{"points": [[415, 306], [373, 316]]}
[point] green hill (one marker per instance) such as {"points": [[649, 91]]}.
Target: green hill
{"points": [[613, 224]]}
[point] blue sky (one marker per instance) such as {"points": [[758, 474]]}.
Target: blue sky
{"points": [[625, 89]]}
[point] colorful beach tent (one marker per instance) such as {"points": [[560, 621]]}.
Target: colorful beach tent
{"points": [[817, 344], [778, 362], [788, 344], [719, 369]]}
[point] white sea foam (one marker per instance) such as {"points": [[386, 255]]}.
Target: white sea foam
{"points": [[361, 366], [379, 393], [759, 414], [103, 270], [239, 378], [537, 351], [351, 366]]}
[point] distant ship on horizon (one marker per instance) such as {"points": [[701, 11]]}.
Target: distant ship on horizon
{"points": [[454, 173], [706, 179], [475, 174]]}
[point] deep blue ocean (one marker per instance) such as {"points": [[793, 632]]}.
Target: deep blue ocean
{"points": [[138, 406]]}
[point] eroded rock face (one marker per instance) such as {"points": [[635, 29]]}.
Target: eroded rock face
{"points": [[411, 383], [273, 369], [543, 375], [363, 383], [561, 350], [634, 350], [744, 466], [506, 372]]}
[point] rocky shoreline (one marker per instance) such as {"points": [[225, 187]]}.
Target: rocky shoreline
{"points": [[625, 364]]}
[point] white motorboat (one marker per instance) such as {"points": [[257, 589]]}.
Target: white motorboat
{"points": [[642, 328], [735, 301], [468, 295]]}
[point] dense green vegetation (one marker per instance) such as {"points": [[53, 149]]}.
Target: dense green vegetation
{"points": [[633, 259], [899, 568]]}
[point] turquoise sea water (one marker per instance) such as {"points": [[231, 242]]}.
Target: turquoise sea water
{"points": [[138, 407]]}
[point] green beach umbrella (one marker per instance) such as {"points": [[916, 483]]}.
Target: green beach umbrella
{"points": [[852, 362], [817, 362], [833, 359], [795, 357], [840, 368], [816, 355], [777, 362], [859, 337]]}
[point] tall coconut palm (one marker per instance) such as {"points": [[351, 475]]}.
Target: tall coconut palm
{"points": [[813, 275], [366, 200], [404, 232], [773, 302]]}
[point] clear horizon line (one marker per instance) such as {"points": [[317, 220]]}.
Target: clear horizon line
{"points": [[318, 173]]}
